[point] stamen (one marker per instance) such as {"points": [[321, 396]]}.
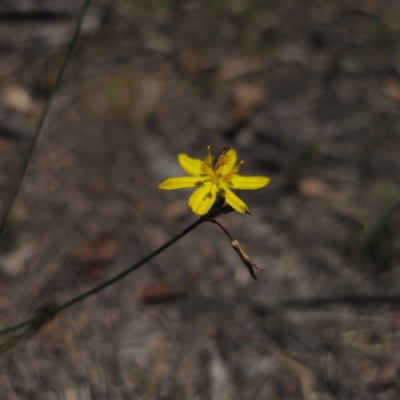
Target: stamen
{"points": [[227, 177], [209, 157], [207, 170], [221, 160], [203, 168]]}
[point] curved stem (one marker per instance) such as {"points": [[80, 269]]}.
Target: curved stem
{"points": [[16, 327], [128, 270], [108, 282], [12, 342], [223, 228]]}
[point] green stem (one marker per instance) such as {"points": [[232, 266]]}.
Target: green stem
{"points": [[128, 270], [39, 127], [16, 327], [110, 281], [225, 230], [12, 342]]}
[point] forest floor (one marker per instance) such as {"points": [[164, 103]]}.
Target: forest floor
{"points": [[308, 93]]}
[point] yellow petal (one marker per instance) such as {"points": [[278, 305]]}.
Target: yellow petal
{"points": [[233, 200], [247, 182], [229, 161], [181, 183], [203, 198], [191, 165]]}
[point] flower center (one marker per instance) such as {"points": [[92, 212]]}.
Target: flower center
{"points": [[206, 169], [214, 169]]}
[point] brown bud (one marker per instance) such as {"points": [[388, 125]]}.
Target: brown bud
{"points": [[246, 260]]}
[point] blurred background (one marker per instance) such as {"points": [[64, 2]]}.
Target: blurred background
{"points": [[308, 93]]}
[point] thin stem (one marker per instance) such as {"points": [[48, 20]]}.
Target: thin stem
{"points": [[39, 127], [226, 232], [130, 269], [16, 327], [110, 281], [12, 342]]}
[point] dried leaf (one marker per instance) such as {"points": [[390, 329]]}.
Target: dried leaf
{"points": [[99, 250], [159, 292]]}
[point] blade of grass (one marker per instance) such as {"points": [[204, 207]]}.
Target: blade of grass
{"points": [[39, 126]]}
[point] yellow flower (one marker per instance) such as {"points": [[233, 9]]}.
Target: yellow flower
{"points": [[212, 178]]}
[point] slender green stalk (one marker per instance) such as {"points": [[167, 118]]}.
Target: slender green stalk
{"points": [[12, 342], [130, 269], [39, 126], [223, 228], [16, 327], [106, 283]]}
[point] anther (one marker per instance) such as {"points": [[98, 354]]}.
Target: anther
{"points": [[203, 167]]}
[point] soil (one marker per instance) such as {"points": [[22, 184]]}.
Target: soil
{"points": [[308, 93]]}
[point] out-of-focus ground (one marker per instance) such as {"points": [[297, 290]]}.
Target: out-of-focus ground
{"points": [[308, 93]]}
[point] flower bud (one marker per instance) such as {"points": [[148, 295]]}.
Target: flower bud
{"points": [[245, 258]]}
